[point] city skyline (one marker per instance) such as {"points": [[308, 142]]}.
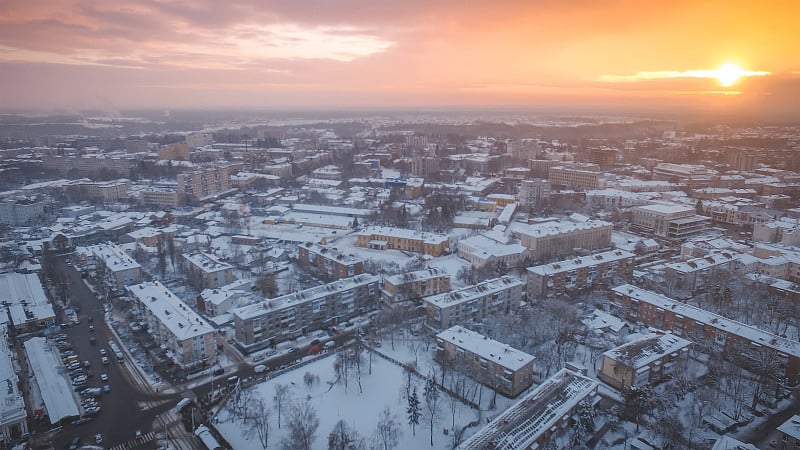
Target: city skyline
{"points": [[620, 55]]}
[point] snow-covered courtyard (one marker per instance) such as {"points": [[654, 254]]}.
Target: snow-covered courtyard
{"points": [[383, 386]]}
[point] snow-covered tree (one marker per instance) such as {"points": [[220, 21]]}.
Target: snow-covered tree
{"points": [[279, 399], [413, 411], [344, 437], [303, 423], [387, 433], [431, 396]]}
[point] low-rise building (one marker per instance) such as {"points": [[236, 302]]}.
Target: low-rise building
{"points": [[13, 417], [115, 265], [292, 315], [503, 368], [383, 238], [329, 261], [671, 221], [160, 196], [561, 238], [208, 271], [539, 416], [27, 305], [473, 303], [645, 362], [584, 272], [790, 434], [694, 275], [17, 212], [51, 392], [480, 250], [655, 310], [221, 300], [414, 285], [190, 340]]}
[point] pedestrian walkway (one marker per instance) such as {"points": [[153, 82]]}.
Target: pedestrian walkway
{"points": [[133, 443]]}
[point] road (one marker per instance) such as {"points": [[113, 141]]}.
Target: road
{"points": [[120, 416]]}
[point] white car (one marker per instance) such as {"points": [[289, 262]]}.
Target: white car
{"points": [[104, 360], [104, 376]]}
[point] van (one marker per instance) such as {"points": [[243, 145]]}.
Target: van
{"points": [[260, 368], [183, 404], [329, 345]]}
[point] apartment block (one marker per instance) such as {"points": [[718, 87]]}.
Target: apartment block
{"points": [[534, 195], [414, 285], [20, 212], [545, 413], [671, 221], [383, 238], [577, 176], [695, 274], [473, 303], [790, 434], [13, 417], [645, 362], [88, 165], [116, 266], [559, 238], [203, 184], [655, 310], [212, 272], [107, 191], [579, 273], [188, 338], [292, 315], [497, 365], [480, 250], [329, 261], [163, 197]]}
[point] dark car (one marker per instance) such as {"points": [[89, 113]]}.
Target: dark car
{"points": [[219, 372]]}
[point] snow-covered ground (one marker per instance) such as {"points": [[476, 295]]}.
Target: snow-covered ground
{"points": [[383, 387]]}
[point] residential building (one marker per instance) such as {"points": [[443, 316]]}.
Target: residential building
{"points": [[473, 303], [694, 275], [107, 191], [210, 272], [671, 221], [91, 164], [189, 340], [579, 273], [414, 285], [645, 362], [691, 175], [329, 261], [785, 230], [194, 140], [560, 238], [424, 166], [534, 195], [790, 434], [292, 315], [480, 250], [160, 196], [25, 301], [218, 301], [383, 238], [178, 151], [18, 212], [203, 184], [539, 417], [658, 311], [13, 417], [577, 176], [503, 368], [115, 265]]}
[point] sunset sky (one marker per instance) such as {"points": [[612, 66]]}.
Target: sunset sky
{"points": [[74, 54]]}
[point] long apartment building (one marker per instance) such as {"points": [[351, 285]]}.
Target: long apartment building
{"points": [[560, 238], [87, 165], [577, 176], [646, 361], [658, 311], [116, 266], [473, 303], [575, 274], [189, 339], [292, 315], [539, 417], [669, 221], [329, 261], [203, 184], [695, 274], [383, 238], [13, 417], [414, 285], [113, 190], [501, 367]]}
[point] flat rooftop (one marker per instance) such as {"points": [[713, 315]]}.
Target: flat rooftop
{"points": [[170, 310], [473, 292], [499, 353]]}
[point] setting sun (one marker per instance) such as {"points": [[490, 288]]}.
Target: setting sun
{"points": [[729, 73]]}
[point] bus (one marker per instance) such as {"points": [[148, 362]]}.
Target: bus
{"points": [[117, 352]]}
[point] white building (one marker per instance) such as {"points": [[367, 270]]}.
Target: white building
{"points": [[188, 338], [27, 305], [13, 417], [480, 250], [55, 392], [119, 268]]}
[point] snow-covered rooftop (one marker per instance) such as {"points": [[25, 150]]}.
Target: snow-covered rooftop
{"points": [[556, 228], [644, 351], [469, 293], [25, 297], [755, 335], [296, 298], [113, 257], [791, 427], [12, 406], [54, 387], [520, 425], [403, 233], [700, 264], [419, 275], [485, 247], [580, 262], [207, 263], [501, 354], [170, 310]]}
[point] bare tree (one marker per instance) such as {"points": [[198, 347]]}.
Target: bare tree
{"points": [[432, 398], [303, 423], [259, 423], [279, 399], [344, 437], [387, 433]]}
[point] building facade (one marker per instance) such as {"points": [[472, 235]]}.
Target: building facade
{"points": [[210, 271], [497, 365], [473, 303], [292, 315], [669, 221], [554, 239], [584, 272], [202, 184], [329, 261], [414, 285], [384, 238], [645, 362]]}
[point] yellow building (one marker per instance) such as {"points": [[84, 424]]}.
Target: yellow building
{"points": [[384, 238]]}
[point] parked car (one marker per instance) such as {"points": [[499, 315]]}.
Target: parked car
{"points": [[86, 363], [74, 443], [106, 388], [104, 376], [104, 360], [98, 438]]}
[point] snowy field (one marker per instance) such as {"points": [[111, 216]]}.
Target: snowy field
{"points": [[383, 387]]}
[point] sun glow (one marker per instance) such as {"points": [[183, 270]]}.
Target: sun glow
{"points": [[729, 74]]}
